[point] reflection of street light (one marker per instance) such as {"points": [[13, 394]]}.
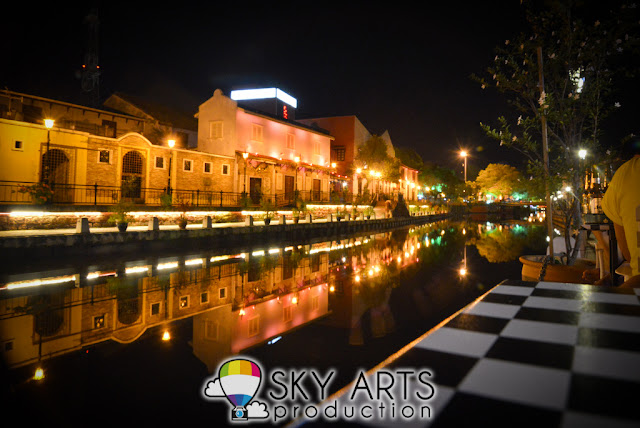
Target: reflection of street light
{"points": [[48, 123], [171, 144]]}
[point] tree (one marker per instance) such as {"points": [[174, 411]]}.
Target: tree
{"points": [[373, 155], [499, 180], [580, 66], [410, 158], [440, 179]]}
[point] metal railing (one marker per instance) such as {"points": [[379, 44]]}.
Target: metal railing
{"points": [[17, 192]]}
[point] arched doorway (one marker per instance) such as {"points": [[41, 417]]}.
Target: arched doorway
{"points": [[132, 176], [55, 165]]}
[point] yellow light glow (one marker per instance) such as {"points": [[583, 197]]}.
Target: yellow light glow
{"points": [[297, 159], [294, 300], [39, 374], [357, 278], [245, 155], [242, 312], [194, 262], [463, 271], [163, 266], [333, 164], [399, 259], [171, 143], [332, 289], [48, 123], [359, 170], [463, 154], [166, 336]]}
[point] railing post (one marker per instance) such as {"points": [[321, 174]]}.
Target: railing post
{"points": [[95, 194], [221, 198], [197, 197]]}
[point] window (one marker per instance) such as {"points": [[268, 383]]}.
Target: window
{"points": [[98, 322], [256, 132], [291, 142], [211, 330], [225, 169], [204, 297], [340, 152], [287, 313], [110, 128], [17, 145], [155, 308], [187, 165], [222, 293], [207, 167], [159, 162], [184, 302], [215, 129], [254, 326], [104, 156]]}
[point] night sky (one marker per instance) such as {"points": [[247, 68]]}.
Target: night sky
{"points": [[398, 68]]}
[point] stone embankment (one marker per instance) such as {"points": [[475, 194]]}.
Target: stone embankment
{"points": [[84, 243]]}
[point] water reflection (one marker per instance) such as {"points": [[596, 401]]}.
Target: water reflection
{"points": [[239, 300]]}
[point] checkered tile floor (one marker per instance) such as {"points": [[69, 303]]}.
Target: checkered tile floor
{"points": [[543, 354]]}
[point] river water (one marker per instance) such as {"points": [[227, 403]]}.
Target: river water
{"points": [[133, 340]]}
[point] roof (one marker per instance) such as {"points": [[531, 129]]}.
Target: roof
{"points": [[160, 112], [290, 122]]}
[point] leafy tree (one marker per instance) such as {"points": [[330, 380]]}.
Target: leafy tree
{"points": [[581, 55], [410, 158], [372, 154], [443, 180], [499, 180]]}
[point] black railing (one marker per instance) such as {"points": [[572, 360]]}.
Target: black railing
{"points": [[15, 192]]}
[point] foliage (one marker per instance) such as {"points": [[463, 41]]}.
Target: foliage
{"points": [[41, 193], [499, 180], [120, 212], [580, 48], [368, 211], [443, 180], [166, 201], [267, 206], [373, 155], [410, 158]]}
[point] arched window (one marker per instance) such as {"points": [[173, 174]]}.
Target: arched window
{"points": [[132, 175]]}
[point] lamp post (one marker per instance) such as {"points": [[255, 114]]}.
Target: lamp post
{"points": [[463, 153], [171, 144], [295, 192], [44, 175], [245, 155]]}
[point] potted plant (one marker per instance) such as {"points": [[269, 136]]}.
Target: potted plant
{"points": [[340, 213], [269, 209], [368, 212], [41, 193], [120, 215], [299, 210], [184, 206]]}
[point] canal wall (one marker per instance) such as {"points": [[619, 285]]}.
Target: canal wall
{"points": [[22, 248]]}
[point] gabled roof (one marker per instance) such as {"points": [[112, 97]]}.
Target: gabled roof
{"points": [[143, 108]]}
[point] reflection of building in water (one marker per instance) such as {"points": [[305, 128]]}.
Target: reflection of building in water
{"points": [[43, 318], [363, 283]]}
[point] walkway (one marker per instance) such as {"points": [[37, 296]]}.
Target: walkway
{"points": [[526, 354]]}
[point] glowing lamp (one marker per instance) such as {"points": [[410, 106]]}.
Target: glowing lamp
{"points": [[48, 123], [171, 143], [245, 155], [39, 374], [166, 336]]}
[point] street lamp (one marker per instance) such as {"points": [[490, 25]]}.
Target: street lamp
{"points": [[297, 160], [171, 144], [245, 155], [463, 153], [48, 123]]}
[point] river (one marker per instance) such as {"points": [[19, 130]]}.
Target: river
{"points": [[134, 339]]}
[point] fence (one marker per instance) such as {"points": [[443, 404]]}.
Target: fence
{"points": [[14, 192]]}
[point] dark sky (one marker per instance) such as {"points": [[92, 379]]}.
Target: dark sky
{"points": [[402, 68]]}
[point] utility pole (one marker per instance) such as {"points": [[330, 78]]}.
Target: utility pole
{"points": [[545, 157]]}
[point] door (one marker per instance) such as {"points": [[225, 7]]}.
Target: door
{"points": [[316, 190], [255, 190], [289, 184]]}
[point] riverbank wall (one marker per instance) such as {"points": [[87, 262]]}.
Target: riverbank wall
{"points": [[21, 248]]}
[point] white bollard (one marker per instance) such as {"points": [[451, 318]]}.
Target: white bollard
{"points": [[154, 224], [82, 225]]}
